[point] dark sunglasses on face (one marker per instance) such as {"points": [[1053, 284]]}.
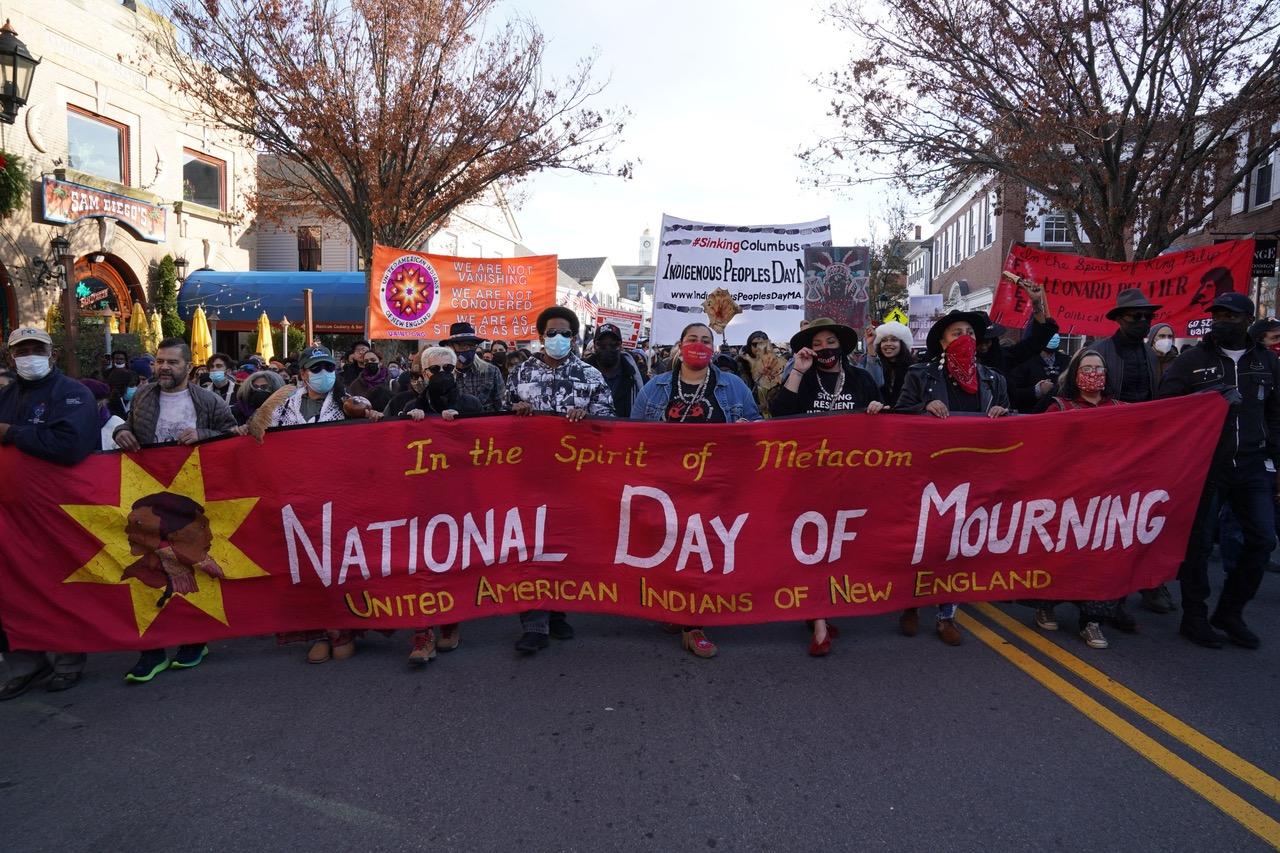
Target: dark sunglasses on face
{"points": [[559, 333], [322, 368], [436, 368]]}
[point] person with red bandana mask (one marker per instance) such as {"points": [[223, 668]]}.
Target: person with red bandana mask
{"points": [[695, 391], [1083, 385], [951, 380]]}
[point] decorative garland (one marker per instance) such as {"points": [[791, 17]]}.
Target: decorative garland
{"points": [[14, 183]]}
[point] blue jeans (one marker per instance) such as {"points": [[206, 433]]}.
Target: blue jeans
{"points": [[1249, 490]]}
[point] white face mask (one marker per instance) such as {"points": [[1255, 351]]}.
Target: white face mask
{"points": [[1163, 345], [33, 367]]}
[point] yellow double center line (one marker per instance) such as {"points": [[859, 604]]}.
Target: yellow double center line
{"points": [[1255, 820]]}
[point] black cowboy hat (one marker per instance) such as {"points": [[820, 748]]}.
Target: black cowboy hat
{"points": [[848, 337], [1132, 299], [977, 319], [462, 333]]}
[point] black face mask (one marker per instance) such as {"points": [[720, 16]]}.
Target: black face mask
{"points": [[829, 356], [258, 396], [442, 388], [1135, 330], [1231, 334], [372, 369], [609, 358]]}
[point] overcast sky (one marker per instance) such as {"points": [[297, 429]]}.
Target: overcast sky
{"points": [[722, 100]]}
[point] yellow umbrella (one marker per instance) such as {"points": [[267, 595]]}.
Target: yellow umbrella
{"points": [[266, 349], [112, 326], [157, 332], [201, 340], [138, 322]]}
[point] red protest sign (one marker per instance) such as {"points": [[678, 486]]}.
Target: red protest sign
{"points": [[825, 516], [1081, 290], [628, 322]]}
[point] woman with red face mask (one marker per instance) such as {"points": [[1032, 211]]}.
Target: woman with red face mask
{"points": [[950, 381], [695, 391], [1083, 385]]}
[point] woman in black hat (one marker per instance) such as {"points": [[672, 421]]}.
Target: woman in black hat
{"points": [[951, 380], [822, 381]]}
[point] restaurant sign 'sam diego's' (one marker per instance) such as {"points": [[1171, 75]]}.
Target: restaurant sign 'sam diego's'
{"points": [[66, 202]]}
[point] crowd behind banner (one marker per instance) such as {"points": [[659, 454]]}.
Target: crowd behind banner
{"points": [[966, 365]]}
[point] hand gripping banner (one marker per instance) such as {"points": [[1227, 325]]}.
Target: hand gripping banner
{"points": [[1081, 290], [432, 522]]}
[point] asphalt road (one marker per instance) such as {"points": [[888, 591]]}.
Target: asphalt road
{"points": [[618, 740]]}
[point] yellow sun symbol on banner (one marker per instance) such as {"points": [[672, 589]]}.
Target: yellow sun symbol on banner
{"points": [[107, 524]]}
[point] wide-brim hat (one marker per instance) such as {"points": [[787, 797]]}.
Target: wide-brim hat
{"points": [[1130, 299], [933, 341], [848, 337], [463, 333]]}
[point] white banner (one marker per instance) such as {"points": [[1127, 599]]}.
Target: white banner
{"points": [[762, 267], [628, 323]]}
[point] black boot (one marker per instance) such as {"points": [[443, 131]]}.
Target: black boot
{"points": [[1197, 630], [1237, 631]]}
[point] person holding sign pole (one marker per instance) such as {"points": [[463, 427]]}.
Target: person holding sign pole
{"points": [[695, 391], [951, 381]]}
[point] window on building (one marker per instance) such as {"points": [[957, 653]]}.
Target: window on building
{"points": [[989, 219], [310, 242], [1054, 229], [1262, 183], [971, 227], [204, 179], [97, 145]]}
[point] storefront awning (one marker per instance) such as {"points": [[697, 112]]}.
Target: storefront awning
{"points": [[338, 298]]}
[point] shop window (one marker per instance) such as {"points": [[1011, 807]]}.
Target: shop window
{"points": [[97, 145], [204, 179], [310, 240]]}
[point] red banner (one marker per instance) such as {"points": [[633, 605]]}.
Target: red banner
{"points": [[1082, 290], [416, 296], [715, 524]]}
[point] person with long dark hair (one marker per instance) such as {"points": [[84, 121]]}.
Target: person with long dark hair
{"points": [[889, 359], [695, 391]]}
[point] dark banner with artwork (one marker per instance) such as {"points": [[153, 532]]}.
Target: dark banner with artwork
{"points": [[836, 284]]}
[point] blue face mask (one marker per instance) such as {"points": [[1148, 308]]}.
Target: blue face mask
{"points": [[466, 357], [321, 381], [1054, 342], [557, 346], [130, 391], [217, 377]]}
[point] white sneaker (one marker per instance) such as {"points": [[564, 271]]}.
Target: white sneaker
{"points": [[1092, 635], [1045, 618]]}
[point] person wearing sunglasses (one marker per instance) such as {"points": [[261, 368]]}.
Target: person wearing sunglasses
{"points": [[1133, 376], [438, 390], [555, 380], [319, 396]]}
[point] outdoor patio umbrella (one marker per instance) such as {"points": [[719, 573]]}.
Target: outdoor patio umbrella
{"points": [[201, 341], [138, 322], [265, 347], [157, 332]]}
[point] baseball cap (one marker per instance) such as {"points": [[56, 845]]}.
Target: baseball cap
{"points": [[312, 356], [608, 329], [29, 333], [1237, 302]]}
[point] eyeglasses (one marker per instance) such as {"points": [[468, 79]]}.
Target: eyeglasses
{"points": [[559, 333], [1089, 370], [322, 368], [434, 369]]}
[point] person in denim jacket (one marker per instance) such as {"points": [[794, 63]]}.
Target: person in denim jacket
{"points": [[695, 391]]}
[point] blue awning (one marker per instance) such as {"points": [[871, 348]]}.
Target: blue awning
{"points": [[338, 298]]}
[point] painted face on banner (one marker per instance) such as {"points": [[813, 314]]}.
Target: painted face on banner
{"points": [[410, 292]]}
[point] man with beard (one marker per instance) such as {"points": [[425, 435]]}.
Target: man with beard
{"points": [[167, 410], [618, 369], [355, 362], [51, 416], [476, 376], [1242, 473], [1132, 377]]}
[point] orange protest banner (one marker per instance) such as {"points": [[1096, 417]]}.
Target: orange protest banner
{"points": [[416, 296]]}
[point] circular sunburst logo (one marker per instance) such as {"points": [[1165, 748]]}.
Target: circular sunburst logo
{"points": [[410, 292]]}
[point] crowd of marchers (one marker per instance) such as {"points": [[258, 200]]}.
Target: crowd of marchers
{"points": [[965, 366]]}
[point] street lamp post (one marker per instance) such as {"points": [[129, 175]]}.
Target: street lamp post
{"points": [[284, 338], [61, 247], [17, 68], [180, 264]]}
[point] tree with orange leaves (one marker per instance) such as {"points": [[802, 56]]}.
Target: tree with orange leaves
{"points": [[384, 114]]}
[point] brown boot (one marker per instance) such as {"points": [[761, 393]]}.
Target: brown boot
{"points": [[320, 651], [949, 633], [909, 622], [449, 638], [344, 644]]}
